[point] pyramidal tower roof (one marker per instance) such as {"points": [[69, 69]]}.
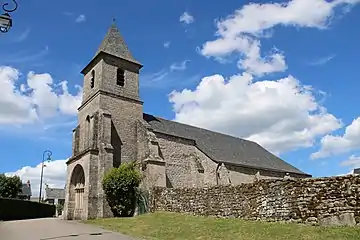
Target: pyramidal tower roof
{"points": [[114, 44]]}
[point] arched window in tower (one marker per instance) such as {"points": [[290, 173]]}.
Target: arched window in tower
{"points": [[88, 133], [92, 81], [120, 77]]}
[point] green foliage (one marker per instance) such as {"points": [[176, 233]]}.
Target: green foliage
{"points": [[59, 208], [142, 201], [16, 209], [10, 187], [120, 186]]}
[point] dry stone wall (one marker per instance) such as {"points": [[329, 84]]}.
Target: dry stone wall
{"points": [[325, 201]]}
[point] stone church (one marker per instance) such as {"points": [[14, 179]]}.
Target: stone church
{"points": [[112, 129]]}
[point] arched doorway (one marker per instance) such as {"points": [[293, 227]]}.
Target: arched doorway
{"points": [[77, 191]]}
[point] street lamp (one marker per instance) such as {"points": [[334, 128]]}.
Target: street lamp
{"points": [[5, 23], [48, 153], [5, 19]]}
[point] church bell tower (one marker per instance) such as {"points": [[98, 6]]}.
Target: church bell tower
{"points": [[106, 132]]}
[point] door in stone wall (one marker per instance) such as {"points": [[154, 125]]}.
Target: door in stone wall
{"points": [[77, 191]]}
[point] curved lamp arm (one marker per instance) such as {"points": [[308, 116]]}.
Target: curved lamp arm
{"points": [[4, 7], [48, 154]]}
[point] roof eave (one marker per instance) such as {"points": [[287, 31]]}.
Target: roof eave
{"points": [[264, 168], [100, 56]]}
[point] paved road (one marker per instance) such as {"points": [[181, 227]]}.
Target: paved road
{"points": [[54, 229]]}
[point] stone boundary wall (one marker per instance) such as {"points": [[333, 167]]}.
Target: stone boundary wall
{"points": [[324, 201]]}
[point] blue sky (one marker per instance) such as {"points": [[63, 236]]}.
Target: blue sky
{"points": [[284, 75]]}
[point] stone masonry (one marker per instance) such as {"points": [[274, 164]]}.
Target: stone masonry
{"points": [[325, 201], [106, 134]]}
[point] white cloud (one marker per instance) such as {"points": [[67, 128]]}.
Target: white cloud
{"points": [[80, 18], [167, 44], [322, 61], [37, 100], [333, 145], [24, 56], [181, 66], [15, 108], [168, 77], [257, 65], [154, 79], [281, 115], [68, 13], [239, 32], [68, 103], [54, 175], [23, 36], [353, 162], [186, 18], [345, 174], [42, 95]]}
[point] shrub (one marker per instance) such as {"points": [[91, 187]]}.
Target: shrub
{"points": [[120, 186], [142, 201], [16, 209], [10, 187], [59, 208]]}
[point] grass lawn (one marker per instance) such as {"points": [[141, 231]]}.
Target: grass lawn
{"points": [[167, 226]]}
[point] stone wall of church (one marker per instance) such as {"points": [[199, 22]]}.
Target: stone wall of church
{"points": [[97, 73], [131, 73], [86, 120], [325, 201], [240, 174], [187, 166], [124, 116]]}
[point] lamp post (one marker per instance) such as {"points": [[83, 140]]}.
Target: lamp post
{"points": [[48, 153], [5, 18]]}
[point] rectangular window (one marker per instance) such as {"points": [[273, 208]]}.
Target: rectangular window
{"points": [[120, 77], [92, 81]]}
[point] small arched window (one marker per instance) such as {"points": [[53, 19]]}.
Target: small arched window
{"points": [[88, 132], [120, 77], [92, 81]]}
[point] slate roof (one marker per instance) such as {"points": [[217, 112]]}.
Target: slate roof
{"points": [[55, 193], [114, 44], [223, 148], [26, 190]]}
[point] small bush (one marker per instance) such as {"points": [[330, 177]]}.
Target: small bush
{"points": [[59, 208], [16, 209], [142, 201], [120, 186]]}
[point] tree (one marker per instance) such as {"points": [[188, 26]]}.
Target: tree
{"points": [[10, 187], [120, 186]]}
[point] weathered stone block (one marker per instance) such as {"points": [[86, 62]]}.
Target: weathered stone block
{"points": [[344, 219]]}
